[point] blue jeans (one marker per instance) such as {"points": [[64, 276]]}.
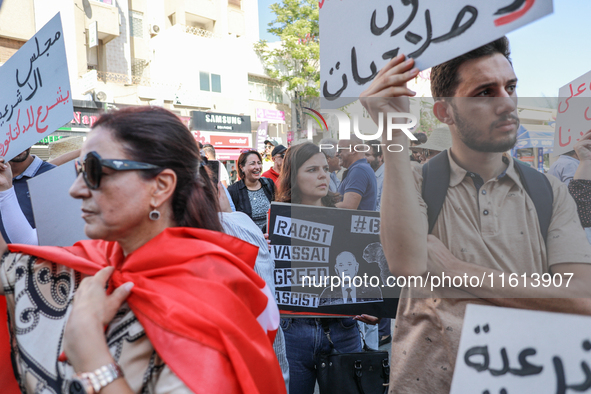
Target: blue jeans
{"points": [[385, 327], [305, 341]]}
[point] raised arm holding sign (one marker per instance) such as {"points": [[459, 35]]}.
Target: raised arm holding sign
{"points": [[486, 228]]}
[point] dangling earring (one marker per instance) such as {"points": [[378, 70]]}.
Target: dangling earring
{"points": [[155, 214]]}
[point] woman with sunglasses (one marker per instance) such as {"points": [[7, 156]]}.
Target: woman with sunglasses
{"points": [[252, 194], [150, 303], [305, 178]]}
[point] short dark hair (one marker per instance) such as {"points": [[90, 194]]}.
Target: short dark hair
{"points": [[242, 160], [444, 77], [294, 158], [156, 136]]}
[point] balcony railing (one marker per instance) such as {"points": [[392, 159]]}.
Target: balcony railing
{"points": [[123, 79], [199, 32]]}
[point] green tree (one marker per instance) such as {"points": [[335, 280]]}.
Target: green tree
{"points": [[296, 62]]}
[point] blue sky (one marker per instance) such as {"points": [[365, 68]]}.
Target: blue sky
{"points": [[546, 54]]}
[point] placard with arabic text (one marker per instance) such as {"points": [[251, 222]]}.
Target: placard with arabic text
{"points": [[35, 99], [509, 351], [360, 37]]}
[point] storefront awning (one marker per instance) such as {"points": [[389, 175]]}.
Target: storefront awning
{"points": [[535, 136]]}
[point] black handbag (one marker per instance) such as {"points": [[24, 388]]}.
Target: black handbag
{"points": [[366, 372]]}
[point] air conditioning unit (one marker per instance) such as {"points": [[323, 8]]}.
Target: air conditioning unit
{"points": [[154, 30], [101, 96]]}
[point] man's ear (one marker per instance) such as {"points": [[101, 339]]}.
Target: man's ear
{"points": [[443, 112], [164, 186]]}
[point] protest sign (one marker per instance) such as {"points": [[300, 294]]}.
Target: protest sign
{"points": [[35, 99], [316, 250], [573, 119], [57, 215], [508, 351], [359, 37]]}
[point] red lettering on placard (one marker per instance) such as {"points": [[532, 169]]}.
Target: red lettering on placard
{"points": [[515, 15], [560, 138]]}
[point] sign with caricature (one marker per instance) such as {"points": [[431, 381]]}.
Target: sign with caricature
{"points": [[506, 351], [35, 99], [360, 37], [330, 261], [573, 118]]}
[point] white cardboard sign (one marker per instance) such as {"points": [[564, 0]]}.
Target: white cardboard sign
{"points": [[57, 215], [509, 351], [573, 118], [360, 37], [35, 99]]}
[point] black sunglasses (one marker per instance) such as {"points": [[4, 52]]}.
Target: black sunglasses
{"points": [[92, 168]]}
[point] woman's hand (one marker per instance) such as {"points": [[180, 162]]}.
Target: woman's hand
{"points": [[5, 175], [92, 309]]}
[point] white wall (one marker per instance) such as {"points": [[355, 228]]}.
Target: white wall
{"points": [[44, 11]]}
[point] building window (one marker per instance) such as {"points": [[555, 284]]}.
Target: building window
{"points": [[204, 81], [216, 83], [136, 24], [235, 3], [139, 67], [209, 82], [265, 90]]}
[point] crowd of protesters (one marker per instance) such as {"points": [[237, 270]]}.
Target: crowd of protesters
{"points": [[189, 304]]}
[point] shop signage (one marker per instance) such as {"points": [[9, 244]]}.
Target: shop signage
{"points": [[211, 121], [270, 115], [226, 140]]}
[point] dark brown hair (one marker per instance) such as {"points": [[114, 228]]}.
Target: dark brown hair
{"points": [[156, 136], [444, 77], [374, 145], [242, 160], [294, 158]]}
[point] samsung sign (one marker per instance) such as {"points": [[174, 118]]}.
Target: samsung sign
{"points": [[212, 121]]}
